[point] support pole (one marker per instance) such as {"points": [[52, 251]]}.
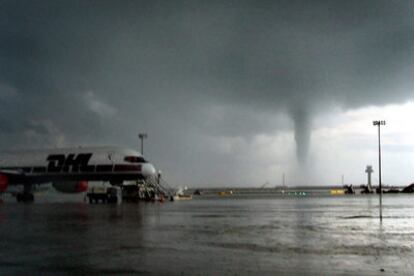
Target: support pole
{"points": [[142, 136], [379, 123]]}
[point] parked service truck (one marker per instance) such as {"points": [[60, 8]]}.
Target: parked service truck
{"points": [[104, 194]]}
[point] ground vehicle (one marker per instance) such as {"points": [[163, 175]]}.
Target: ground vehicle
{"points": [[104, 194]]}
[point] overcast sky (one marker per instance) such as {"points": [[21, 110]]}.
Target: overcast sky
{"points": [[233, 93]]}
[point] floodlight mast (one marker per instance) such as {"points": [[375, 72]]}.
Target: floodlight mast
{"points": [[379, 124]]}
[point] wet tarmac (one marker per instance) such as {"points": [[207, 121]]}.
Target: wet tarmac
{"points": [[210, 236]]}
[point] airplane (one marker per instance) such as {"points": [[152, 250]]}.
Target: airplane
{"points": [[70, 169]]}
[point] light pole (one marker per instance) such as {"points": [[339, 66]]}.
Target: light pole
{"points": [[379, 124], [142, 136]]}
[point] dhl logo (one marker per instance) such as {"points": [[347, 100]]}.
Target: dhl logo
{"points": [[69, 163]]}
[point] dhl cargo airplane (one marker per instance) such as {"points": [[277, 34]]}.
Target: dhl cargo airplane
{"points": [[70, 169]]}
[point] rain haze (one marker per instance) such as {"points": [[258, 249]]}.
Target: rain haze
{"points": [[230, 93]]}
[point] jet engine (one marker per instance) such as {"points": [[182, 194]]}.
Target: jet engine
{"points": [[4, 182], [71, 186]]}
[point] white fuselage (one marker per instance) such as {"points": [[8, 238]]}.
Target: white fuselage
{"points": [[82, 163]]}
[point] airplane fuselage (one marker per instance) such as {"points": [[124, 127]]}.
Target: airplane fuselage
{"points": [[74, 164]]}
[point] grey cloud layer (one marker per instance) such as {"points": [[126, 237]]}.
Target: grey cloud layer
{"points": [[98, 70]]}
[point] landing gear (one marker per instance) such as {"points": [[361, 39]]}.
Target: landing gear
{"points": [[27, 195]]}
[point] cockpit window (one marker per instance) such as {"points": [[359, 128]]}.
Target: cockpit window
{"points": [[135, 159]]}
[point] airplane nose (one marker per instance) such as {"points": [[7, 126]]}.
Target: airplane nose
{"points": [[148, 170]]}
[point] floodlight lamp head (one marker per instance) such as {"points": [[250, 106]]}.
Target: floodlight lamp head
{"points": [[377, 123]]}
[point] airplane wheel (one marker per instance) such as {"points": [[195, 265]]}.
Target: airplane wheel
{"points": [[29, 198]]}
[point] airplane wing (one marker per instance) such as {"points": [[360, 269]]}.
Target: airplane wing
{"points": [[12, 172], [12, 176]]}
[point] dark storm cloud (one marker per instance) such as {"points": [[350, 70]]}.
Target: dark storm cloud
{"points": [[98, 70]]}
